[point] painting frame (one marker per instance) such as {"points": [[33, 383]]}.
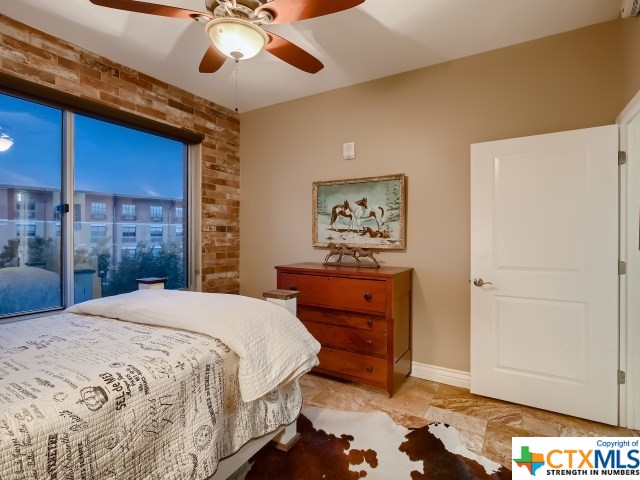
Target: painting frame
{"points": [[336, 200]]}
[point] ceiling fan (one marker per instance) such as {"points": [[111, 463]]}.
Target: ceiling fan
{"points": [[235, 26]]}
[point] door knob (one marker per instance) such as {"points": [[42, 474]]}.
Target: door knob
{"points": [[478, 282]]}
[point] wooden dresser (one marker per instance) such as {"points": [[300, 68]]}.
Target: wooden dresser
{"points": [[361, 316]]}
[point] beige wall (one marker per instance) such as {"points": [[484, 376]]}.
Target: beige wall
{"points": [[421, 123]]}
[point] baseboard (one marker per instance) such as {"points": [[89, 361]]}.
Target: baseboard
{"points": [[457, 378]]}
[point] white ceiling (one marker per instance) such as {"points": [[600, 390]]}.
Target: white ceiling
{"points": [[374, 40]]}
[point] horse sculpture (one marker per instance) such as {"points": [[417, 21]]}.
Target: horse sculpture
{"points": [[356, 253], [341, 250], [360, 210], [349, 252], [335, 249], [363, 252]]}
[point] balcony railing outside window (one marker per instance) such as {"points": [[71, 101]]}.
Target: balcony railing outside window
{"points": [[128, 212], [128, 234], [98, 233], [155, 213], [98, 210], [28, 230], [156, 234]]}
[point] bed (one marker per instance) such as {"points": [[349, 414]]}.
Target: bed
{"points": [[154, 384]]}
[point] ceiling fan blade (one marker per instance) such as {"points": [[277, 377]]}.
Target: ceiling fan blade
{"points": [[285, 11], [150, 8], [292, 54], [212, 60]]}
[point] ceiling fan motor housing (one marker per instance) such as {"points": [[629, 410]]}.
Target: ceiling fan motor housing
{"points": [[629, 8], [242, 8]]}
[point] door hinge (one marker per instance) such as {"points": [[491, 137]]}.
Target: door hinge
{"points": [[622, 377], [622, 268], [622, 158]]}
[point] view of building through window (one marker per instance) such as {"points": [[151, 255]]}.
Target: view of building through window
{"points": [[30, 184], [128, 204]]}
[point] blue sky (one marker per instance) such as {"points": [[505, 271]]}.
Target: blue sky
{"points": [[108, 158]]}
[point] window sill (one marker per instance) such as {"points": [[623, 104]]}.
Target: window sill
{"points": [[18, 317]]}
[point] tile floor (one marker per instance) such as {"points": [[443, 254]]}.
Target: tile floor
{"points": [[485, 425]]}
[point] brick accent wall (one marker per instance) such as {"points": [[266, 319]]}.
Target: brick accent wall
{"points": [[43, 59]]}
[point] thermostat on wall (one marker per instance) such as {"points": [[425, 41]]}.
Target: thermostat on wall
{"points": [[349, 150]]}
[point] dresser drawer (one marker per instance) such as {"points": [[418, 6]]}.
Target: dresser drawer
{"points": [[336, 292], [352, 364], [349, 338], [370, 323], [364, 338]]}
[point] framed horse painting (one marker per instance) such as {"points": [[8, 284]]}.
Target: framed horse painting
{"points": [[364, 212]]}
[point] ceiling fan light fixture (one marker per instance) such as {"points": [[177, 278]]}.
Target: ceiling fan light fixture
{"points": [[236, 38], [5, 142]]}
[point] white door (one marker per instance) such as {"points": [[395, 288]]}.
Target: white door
{"points": [[630, 283], [544, 232]]}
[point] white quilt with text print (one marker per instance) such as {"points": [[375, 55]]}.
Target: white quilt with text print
{"points": [[85, 397], [273, 345]]}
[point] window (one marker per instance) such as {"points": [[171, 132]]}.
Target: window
{"points": [[98, 233], [133, 171], [179, 213], [179, 231], [156, 234], [115, 168], [30, 182], [128, 212], [28, 230], [25, 206], [98, 210], [128, 233], [155, 212]]}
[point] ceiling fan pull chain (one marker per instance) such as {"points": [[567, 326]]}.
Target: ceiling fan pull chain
{"points": [[237, 63]]}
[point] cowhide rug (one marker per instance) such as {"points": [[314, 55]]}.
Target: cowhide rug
{"points": [[336, 445]]}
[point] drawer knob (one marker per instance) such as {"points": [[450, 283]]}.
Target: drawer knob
{"points": [[293, 287], [370, 343], [369, 369], [368, 296], [370, 323]]}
